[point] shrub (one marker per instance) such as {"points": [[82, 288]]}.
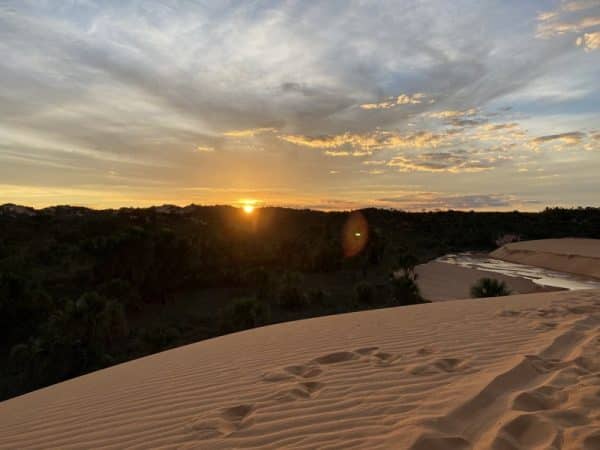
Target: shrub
{"points": [[291, 296], [405, 290], [364, 293], [19, 358], [317, 297], [489, 287], [244, 313], [121, 290], [160, 337]]}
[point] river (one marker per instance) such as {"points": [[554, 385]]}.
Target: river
{"points": [[538, 275]]}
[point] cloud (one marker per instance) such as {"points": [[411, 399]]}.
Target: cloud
{"points": [[441, 201], [402, 99], [564, 139], [451, 114], [454, 162], [375, 140], [251, 132], [589, 41], [376, 162], [555, 28], [548, 15], [337, 153], [500, 126], [572, 17], [579, 5]]}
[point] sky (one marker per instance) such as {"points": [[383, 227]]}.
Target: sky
{"points": [[425, 104]]}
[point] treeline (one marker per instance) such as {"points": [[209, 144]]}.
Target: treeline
{"points": [[83, 289]]}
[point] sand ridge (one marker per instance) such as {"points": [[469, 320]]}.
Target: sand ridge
{"points": [[574, 255], [508, 373]]}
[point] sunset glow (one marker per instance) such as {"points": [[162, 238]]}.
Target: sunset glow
{"points": [[402, 104], [248, 209]]}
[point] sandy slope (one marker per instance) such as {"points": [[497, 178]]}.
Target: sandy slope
{"points": [[507, 373], [444, 281], [580, 256]]}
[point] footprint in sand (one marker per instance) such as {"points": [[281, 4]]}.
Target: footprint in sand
{"points": [[425, 351], [303, 390], [366, 350], [525, 431], [545, 326], [377, 357], [229, 421], [568, 376], [291, 373], [542, 398], [435, 442], [304, 370], [442, 365], [337, 357], [384, 356], [592, 442], [302, 375], [275, 377], [509, 313], [568, 419]]}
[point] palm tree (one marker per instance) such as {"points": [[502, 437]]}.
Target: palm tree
{"points": [[489, 287]]}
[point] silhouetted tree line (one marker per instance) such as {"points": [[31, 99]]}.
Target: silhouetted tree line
{"points": [[77, 285]]}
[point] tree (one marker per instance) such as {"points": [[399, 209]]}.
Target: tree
{"points": [[244, 313], [405, 290], [291, 296]]}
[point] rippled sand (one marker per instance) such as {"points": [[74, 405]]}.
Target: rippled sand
{"points": [[507, 373]]}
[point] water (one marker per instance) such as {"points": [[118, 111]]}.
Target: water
{"points": [[541, 276]]}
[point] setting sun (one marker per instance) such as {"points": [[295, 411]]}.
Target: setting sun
{"points": [[248, 209]]}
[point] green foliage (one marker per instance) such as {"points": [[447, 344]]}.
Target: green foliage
{"points": [[489, 287], [244, 313]]}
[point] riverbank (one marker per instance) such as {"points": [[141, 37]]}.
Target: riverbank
{"points": [[572, 255], [440, 281]]}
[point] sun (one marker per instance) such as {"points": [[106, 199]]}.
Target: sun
{"points": [[248, 209]]}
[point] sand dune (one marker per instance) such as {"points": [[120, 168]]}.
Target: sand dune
{"points": [[515, 372], [442, 281], [579, 256]]}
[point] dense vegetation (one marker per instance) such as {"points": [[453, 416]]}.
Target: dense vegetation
{"points": [[82, 289]]}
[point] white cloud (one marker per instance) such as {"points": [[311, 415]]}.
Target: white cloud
{"points": [[402, 99], [589, 41]]}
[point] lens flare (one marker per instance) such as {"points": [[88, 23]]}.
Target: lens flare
{"points": [[355, 234]]}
